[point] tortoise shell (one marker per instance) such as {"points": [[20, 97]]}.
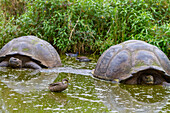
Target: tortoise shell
{"points": [[124, 60], [37, 49]]}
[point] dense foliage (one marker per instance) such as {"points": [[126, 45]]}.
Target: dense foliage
{"points": [[87, 26]]}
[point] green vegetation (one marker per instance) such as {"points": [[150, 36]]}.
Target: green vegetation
{"points": [[87, 26]]}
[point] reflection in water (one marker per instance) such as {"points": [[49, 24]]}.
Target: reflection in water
{"points": [[73, 63], [68, 70], [22, 80], [78, 97], [133, 98], [25, 90], [59, 98], [147, 94]]}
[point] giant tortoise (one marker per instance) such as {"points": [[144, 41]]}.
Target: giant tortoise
{"points": [[134, 62], [29, 52]]}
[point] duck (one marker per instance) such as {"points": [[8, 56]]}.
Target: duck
{"points": [[59, 86], [72, 54], [83, 59]]}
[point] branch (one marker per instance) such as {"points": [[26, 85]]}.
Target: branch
{"points": [[73, 29]]}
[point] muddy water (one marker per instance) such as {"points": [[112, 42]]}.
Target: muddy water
{"points": [[26, 90]]}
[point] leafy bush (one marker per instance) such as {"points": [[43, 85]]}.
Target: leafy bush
{"points": [[89, 25], [7, 30]]}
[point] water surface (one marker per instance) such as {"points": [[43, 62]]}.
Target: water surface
{"points": [[26, 90]]}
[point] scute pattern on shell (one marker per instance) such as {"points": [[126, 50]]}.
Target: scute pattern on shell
{"points": [[33, 47], [123, 60]]}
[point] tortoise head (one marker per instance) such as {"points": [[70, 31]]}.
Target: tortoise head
{"points": [[147, 79], [15, 62]]}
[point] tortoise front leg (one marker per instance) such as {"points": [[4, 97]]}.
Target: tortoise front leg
{"points": [[32, 64], [4, 64]]}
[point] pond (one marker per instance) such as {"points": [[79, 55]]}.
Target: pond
{"points": [[26, 90]]}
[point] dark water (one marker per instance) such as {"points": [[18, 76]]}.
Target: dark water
{"points": [[26, 90]]}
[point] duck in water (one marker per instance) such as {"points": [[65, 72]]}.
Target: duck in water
{"points": [[59, 86], [83, 59]]}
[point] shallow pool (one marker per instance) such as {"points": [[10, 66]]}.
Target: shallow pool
{"points": [[26, 90]]}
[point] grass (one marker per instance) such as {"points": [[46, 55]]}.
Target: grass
{"points": [[87, 26]]}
